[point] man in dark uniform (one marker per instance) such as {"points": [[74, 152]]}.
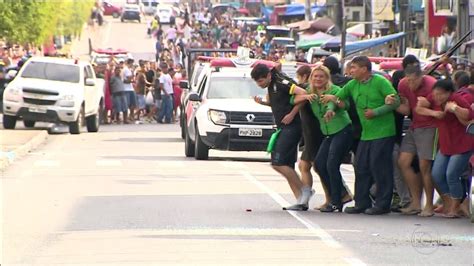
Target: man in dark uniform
{"points": [[283, 157]]}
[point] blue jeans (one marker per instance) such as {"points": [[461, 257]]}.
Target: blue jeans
{"points": [[166, 108], [447, 171], [328, 161]]}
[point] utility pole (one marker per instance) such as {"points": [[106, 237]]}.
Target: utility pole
{"points": [[343, 36], [307, 10], [463, 17], [368, 16], [335, 11], [404, 25]]}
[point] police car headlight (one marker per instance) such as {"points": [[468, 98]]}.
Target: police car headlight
{"points": [[217, 117]]}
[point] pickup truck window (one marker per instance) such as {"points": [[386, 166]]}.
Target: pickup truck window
{"points": [[235, 88], [51, 71]]}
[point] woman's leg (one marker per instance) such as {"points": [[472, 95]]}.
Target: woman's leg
{"points": [[320, 166], [456, 165], [339, 146]]}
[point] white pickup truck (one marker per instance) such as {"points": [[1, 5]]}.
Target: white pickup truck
{"points": [[56, 90]]}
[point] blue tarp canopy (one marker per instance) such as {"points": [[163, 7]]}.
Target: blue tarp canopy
{"points": [[354, 47], [298, 10], [335, 42]]}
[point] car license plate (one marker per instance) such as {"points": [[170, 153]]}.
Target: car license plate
{"points": [[250, 132], [38, 110]]}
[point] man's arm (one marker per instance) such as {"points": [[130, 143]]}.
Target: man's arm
{"points": [[404, 107], [423, 108], [387, 90], [291, 115], [461, 113], [259, 100]]}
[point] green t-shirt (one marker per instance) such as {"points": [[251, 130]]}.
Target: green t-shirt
{"points": [[371, 95], [339, 121]]}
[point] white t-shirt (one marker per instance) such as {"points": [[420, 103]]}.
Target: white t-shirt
{"points": [[171, 33], [127, 73], [167, 82]]}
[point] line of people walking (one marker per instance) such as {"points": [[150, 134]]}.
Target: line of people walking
{"points": [[365, 113]]}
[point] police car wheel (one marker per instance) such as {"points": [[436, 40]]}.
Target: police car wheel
{"points": [[201, 150], [188, 145]]}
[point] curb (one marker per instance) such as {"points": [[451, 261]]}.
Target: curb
{"points": [[8, 158]]}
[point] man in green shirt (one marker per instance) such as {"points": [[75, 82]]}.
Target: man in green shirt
{"points": [[373, 160]]}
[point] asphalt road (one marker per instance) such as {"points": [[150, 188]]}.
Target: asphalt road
{"points": [[128, 195]]}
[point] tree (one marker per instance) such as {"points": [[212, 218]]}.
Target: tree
{"points": [[34, 21]]}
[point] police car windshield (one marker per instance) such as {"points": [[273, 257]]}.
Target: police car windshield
{"points": [[233, 88], [51, 71]]}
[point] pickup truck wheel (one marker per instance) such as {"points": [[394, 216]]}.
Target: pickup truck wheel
{"points": [[76, 126], [201, 150], [29, 123], [92, 122], [115, 15], [9, 122], [188, 145]]}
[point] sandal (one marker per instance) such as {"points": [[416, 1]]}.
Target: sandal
{"points": [[411, 212]]}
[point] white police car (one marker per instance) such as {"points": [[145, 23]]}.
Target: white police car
{"points": [[222, 113]]}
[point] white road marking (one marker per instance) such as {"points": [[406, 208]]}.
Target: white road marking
{"points": [[313, 228], [47, 163], [108, 163]]}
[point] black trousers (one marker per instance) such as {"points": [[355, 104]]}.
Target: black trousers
{"points": [[373, 162]]}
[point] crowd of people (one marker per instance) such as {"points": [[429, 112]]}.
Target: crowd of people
{"points": [[146, 92], [364, 112]]}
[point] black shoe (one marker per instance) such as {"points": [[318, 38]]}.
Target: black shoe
{"points": [[354, 210], [296, 207], [376, 211], [331, 208]]}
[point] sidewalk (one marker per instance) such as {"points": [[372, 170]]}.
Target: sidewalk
{"points": [[15, 144]]}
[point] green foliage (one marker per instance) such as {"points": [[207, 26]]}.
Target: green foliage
{"points": [[34, 21]]}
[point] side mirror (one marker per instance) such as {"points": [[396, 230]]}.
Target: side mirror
{"points": [[183, 84], [194, 97], [470, 129], [90, 82]]}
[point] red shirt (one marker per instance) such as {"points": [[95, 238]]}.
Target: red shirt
{"points": [[453, 138], [418, 121], [467, 93]]}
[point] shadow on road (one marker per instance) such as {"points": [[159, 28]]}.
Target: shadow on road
{"points": [[147, 140], [180, 158]]}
